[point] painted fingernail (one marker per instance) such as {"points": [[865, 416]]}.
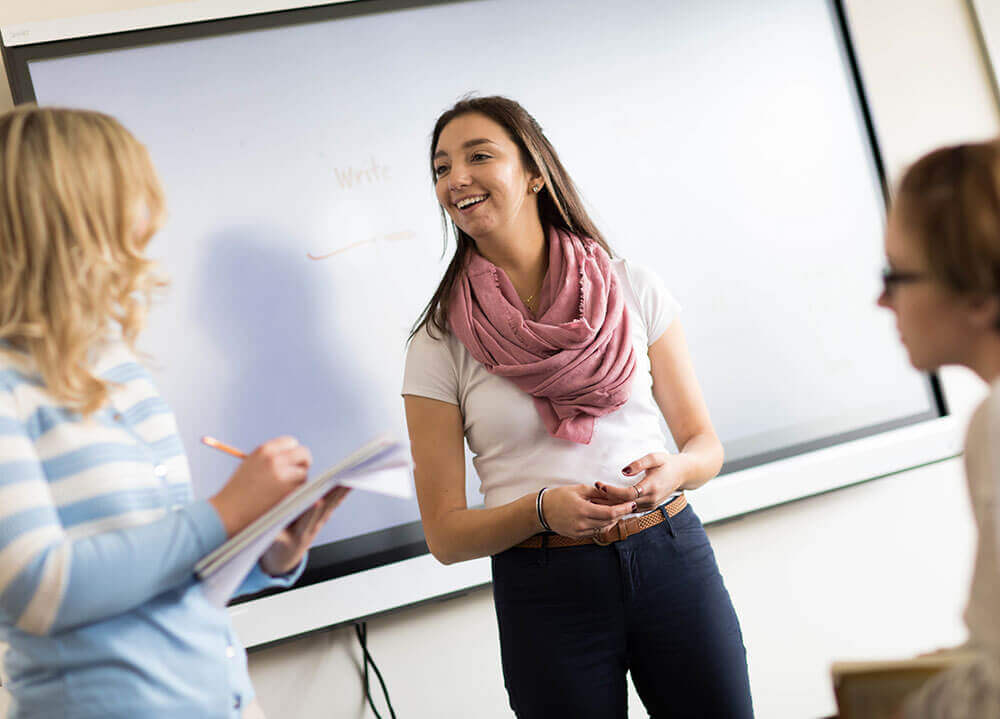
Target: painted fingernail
{"points": [[627, 470], [635, 506]]}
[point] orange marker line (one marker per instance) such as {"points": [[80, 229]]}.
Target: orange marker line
{"points": [[392, 237], [222, 447], [338, 251]]}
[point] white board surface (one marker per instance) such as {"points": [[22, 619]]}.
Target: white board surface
{"points": [[719, 143]]}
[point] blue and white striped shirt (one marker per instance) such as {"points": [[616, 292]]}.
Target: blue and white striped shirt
{"points": [[99, 534]]}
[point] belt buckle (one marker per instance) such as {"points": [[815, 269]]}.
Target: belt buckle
{"points": [[599, 538], [619, 528]]}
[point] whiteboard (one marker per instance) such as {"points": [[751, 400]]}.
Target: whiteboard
{"points": [[722, 144]]}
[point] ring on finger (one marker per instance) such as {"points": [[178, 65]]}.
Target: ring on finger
{"points": [[637, 490]]}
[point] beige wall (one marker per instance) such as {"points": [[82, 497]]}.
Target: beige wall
{"points": [[840, 575]]}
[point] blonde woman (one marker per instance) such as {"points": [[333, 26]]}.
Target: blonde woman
{"points": [[943, 285], [99, 531]]}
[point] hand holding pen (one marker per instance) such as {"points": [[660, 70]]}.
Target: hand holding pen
{"points": [[263, 479]]}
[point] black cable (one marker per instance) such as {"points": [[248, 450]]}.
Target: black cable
{"points": [[362, 631]]}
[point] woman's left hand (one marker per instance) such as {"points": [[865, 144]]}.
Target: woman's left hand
{"points": [[290, 546], [663, 478]]}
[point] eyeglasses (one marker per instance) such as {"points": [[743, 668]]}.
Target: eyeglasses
{"points": [[892, 278]]}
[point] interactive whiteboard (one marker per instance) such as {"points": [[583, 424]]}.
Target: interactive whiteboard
{"points": [[724, 144]]}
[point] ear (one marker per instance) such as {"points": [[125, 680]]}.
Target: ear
{"points": [[984, 312]]}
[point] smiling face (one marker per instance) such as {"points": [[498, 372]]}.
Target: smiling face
{"points": [[936, 325], [481, 180]]}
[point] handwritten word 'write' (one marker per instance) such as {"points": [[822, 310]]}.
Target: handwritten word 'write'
{"points": [[350, 176]]}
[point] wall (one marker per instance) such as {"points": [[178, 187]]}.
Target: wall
{"points": [[842, 575]]}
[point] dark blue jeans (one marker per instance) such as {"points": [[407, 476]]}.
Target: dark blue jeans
{"points": [[573, 620]]}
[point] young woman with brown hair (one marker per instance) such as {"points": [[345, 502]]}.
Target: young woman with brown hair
{"points": [[943, 285], [556, 361]]}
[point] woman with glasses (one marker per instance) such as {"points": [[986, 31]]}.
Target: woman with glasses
{"points": [[943, 285], [557, 361]]}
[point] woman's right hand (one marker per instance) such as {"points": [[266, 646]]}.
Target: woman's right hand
{"points": [[571, 513], [269, 473]]}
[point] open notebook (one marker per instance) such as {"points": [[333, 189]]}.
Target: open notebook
{"points": [[381, 465]]}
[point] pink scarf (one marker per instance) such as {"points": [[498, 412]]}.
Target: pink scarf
{"points": [[576, 360]]}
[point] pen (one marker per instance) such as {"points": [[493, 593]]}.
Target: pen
{"points": [[222, 447]]}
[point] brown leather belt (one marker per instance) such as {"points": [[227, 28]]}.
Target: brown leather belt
{"points": [[624, 528]]}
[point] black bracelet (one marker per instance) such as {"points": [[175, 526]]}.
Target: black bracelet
{"points": [[538, 508]]}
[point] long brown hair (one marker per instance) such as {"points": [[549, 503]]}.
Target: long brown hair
{"points": [[79, 202], [559, 203], [949, 201]]}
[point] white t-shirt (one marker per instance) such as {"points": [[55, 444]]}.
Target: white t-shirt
{"points": [[513, 453]]}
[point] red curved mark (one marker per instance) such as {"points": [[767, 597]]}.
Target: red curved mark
{"points": [[392, 237]]}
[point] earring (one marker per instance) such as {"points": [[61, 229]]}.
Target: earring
{"points": [[536, 188]]}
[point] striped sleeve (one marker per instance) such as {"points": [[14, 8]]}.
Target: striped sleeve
{"points": [[49, 581]]}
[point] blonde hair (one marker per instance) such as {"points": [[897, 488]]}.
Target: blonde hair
{"points": [[949, 201], [79, 202]]}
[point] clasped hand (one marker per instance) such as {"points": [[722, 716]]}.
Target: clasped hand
{"points": [[582, 510]]}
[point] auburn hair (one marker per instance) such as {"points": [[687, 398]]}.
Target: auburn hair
{"points": [[949, 203]]}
